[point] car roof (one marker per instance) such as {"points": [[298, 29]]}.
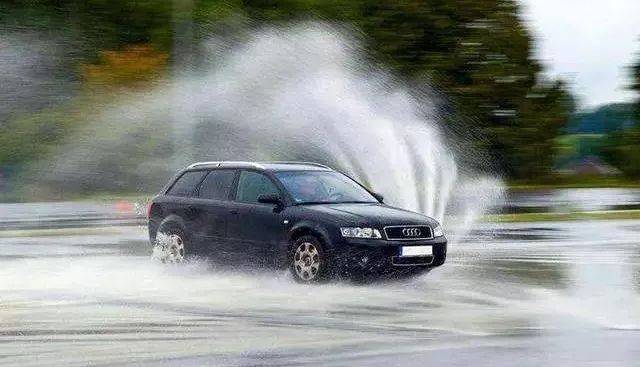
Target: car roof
{"points": [[268, 166]]}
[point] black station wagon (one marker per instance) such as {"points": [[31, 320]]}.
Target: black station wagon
{"points": [[304, 216]]}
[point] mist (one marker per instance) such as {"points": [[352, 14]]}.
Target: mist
{"points": [[306, 93]]}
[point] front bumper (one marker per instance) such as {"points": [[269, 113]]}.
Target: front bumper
{"points": [[383, 254]]}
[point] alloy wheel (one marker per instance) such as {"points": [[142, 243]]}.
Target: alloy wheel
{"points": [[306, 261], [174, 249]]}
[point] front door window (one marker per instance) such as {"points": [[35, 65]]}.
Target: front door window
{"points": [[253, 184]]}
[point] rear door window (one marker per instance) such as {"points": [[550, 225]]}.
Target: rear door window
{"points": [[253, 184], [186, 184], [217, 185]]}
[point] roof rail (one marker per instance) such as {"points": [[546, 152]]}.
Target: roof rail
{"points": [[297, 162], [212, 163], [221, 163], [254, 164]]}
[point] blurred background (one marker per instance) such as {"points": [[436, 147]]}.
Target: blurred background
{"points": [[549, 92]]}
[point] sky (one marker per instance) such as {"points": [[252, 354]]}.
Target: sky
{"points": [[589, 43]]}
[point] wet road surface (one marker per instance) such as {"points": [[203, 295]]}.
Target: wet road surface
{"points": [[518, 294]]}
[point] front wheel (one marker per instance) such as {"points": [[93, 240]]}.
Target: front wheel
{"points": [[309, 262]]}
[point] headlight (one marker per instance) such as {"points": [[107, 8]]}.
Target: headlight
{"points": [[358, 232], [438, 232]]}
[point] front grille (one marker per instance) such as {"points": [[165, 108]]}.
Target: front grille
{"points": [[407, 233]]}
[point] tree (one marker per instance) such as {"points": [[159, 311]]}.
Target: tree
{"points": [[74, 36], [635, 74], [478, 52], [623, 147]]}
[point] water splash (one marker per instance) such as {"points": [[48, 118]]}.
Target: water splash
{"points": [[297, 93]]}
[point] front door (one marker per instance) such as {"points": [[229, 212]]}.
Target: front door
{"points": [[255, 229]]}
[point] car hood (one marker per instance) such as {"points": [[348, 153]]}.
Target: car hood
{"points": [[375, 214]]}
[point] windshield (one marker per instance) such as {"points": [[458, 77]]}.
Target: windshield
{"points": [[323, 187]]}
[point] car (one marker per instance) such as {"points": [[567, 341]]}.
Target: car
{"points": [[316, 221]]}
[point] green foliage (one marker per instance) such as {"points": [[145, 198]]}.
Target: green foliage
{"points": [[101, 24], [478, 52], [603, 120], [94, 26], [576, 146], [622, 149], [30, 136], [573, 149], [527, 142], [636, 86]]}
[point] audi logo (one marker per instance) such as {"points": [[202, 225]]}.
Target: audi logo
{"points": [[411, 232]]}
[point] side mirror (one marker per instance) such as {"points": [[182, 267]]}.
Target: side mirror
{"points": [[270, 199], [378, 197]]}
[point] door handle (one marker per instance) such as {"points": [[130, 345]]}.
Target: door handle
{"points": [[233, 211]]}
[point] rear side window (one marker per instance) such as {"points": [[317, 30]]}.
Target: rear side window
{"points": [[186, 184], [217, 185], [253, 184]]}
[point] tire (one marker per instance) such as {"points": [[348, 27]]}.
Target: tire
{"points": [[439, 260], [172, 244], [309, 262]]}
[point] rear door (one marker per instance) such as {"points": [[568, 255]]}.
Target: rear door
{"points": [[213, 201], [255, 229], [181, 200]]}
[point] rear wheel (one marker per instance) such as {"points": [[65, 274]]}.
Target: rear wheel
{"points": [[171, 245], [309, 262]]}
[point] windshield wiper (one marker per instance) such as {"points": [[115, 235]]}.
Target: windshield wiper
{"points": [[314, 202], [334, 202]]}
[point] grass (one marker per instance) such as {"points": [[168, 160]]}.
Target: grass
{"points": [[550, 217], [574, 182]]}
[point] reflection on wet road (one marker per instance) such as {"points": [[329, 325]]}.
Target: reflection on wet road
{"points": [[556, 293]]}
